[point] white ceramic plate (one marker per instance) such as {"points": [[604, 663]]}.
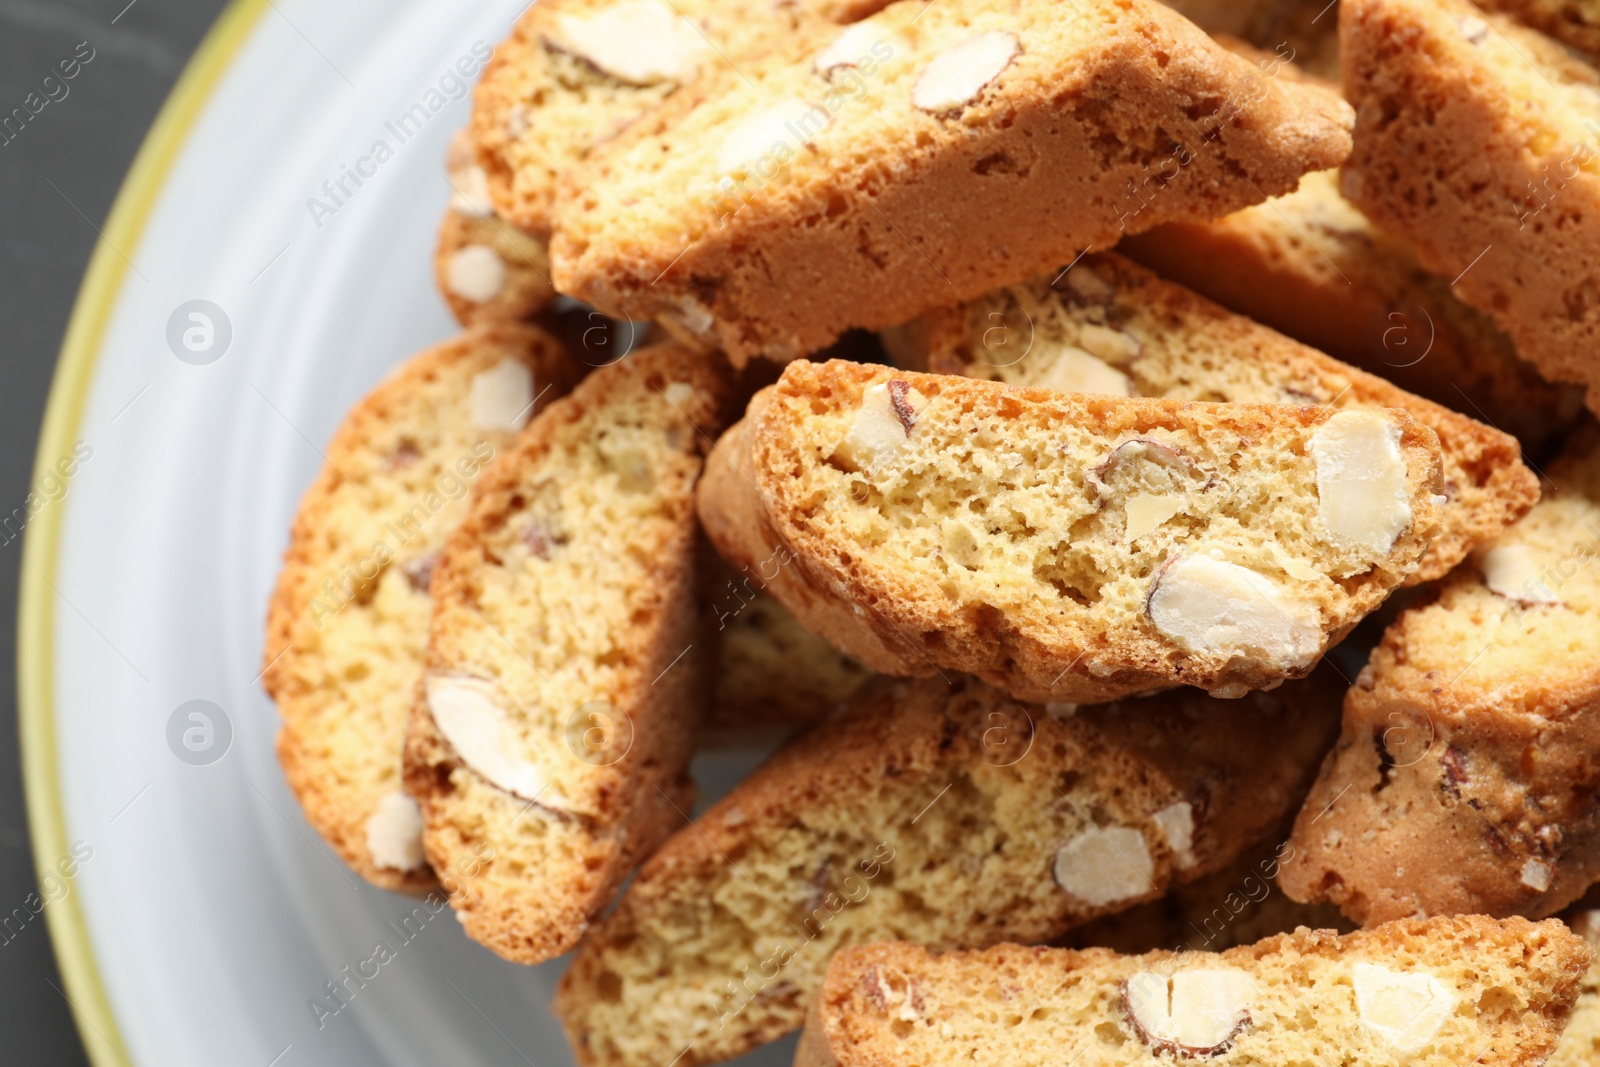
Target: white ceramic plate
{"points": [[204, 918]]}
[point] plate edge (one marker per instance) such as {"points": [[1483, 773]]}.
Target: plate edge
{"points": [[80, 349]]}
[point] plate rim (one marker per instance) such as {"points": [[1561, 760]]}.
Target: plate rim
{"points": [[76, 362]]}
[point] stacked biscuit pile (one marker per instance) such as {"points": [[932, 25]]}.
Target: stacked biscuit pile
{"points": [[1031, 415]]}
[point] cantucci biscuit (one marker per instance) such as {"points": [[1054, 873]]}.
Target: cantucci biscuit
{"points": [[573, 73], [941, 812], [1574, 22], [1238, 18], [1107, 326], [486, 268], [1465, 777], [1310, 265], [1475, 142], [1234, 906], [1580, 1043], [1436, 993], [858, 177], [548, 744], [1067, 546], [772, 674], [348, 622]]}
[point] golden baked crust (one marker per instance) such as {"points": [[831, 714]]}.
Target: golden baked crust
{"points": [[1510, 986], [344, 647], [736, 221], [560, 648], [986, 538], [1465, 777], [1178, 345], [1472, 143], [1313, 267], [936, 812]]}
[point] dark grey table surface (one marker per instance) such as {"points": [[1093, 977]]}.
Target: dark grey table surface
{"points": [[57, 180]]}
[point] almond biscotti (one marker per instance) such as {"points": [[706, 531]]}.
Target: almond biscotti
{"points": [[942, 812], [1069, 546], [486, 268], [1239, 904], [1475, 142], [1580, 1043], [1313, 267], [858, 177], [574, 73], [348, 622], [1573, 22], [548, 742], [772, 674], [1107, 326], [1437, 993], [1465, 777]]}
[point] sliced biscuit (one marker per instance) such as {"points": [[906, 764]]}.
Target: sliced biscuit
{"points": [[772, 674], [573, 73], [1312, 266], [940, 812], [1239, 904], [1580, 1044], [1475, 142], [923, 156], [1108, 326], [348, 623], [1573, 22], [486, 268], [1436, 993], [548, 742], [1465, 778], [1069, 546]]}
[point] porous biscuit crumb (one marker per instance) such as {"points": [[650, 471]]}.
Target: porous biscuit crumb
{"points": [[929, 522], [1435, 993], [1464, 779], [349, 618], [948, 814], [766, 210], [548, 745], [1106, 325]]}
